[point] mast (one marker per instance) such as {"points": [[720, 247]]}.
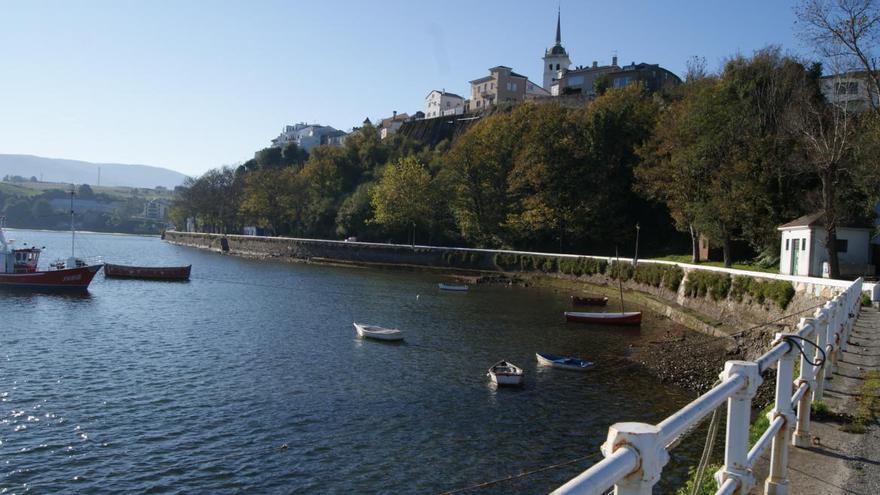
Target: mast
{"points": [[72, 229], [619, 279]]}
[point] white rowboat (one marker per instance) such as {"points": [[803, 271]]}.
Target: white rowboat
{"points": [[563, 363], [504, 373], [378, 333], [453, 287]]}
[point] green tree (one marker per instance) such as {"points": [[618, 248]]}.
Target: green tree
{"points": [[404, 196]]}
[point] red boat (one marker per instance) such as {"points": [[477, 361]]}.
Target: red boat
{"points": [[176, 273], [18, 270], [589, 301], [627, 318]]}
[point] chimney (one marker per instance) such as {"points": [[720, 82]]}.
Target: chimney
{"points": [[394, 115], [614, 60], [595, 64]]}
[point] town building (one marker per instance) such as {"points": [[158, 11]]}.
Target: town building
{"points": [[556, 58], [585, 80], [502, 85], [308, 136], [803, 252], [854, 89], [390, 125], [156, 209], [440, 103]]}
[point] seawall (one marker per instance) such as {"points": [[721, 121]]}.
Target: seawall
{"points": [[680, 299]]}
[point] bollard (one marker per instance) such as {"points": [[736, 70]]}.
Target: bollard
{"points": [[739, 411], [802, 437], [777, 481], [645, 439]]}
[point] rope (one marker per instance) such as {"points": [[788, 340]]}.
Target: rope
{"points": [[520, 475], [707, 449], [793, 340], [737, 334]]}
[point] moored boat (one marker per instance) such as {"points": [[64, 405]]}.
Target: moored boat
{"points": [[453, 287], [504, 373], [175, 273], [622, 318], [377, 332], [589, 301], [19, 269], [563, 363]]}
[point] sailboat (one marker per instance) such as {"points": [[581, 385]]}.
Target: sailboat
{"points": [[19, 266], [618, 318]]}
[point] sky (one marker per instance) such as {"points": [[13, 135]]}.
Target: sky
{"points": [[191, 85]]}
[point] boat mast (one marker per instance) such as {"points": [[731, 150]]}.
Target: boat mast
{"points": [[619, 278], [72, 229]]}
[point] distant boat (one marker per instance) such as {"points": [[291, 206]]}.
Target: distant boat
{"points": [[377, 332], [506, 374], [589, 301], [177, 273], [564, 363], [627, 318], [453, 287]]}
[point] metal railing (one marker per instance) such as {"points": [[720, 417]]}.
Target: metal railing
{"points": [[635, 453]]}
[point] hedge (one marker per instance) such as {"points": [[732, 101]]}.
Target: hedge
{"points": [[700, 283], [459, 258], [778, 291], [549, 264]]}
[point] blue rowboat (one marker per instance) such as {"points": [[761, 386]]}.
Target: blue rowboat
{"points": [[564, 363]]}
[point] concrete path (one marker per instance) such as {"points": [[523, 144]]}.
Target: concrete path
{"points": [[840, 462]]}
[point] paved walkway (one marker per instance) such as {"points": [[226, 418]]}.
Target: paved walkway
{"points": [[840, 462]]}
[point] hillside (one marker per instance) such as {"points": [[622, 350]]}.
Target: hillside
{"points": [[78, 172]]}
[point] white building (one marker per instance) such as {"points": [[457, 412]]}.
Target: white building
{"points": [[802, 251], [390, 125], [156, 209], [852, 89], [441, 103], [307, 136], [556, 59]]}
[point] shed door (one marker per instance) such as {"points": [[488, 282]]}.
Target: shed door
{"points": [[795, 250]]}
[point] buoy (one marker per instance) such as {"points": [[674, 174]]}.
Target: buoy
{"points": [[284, 446]]}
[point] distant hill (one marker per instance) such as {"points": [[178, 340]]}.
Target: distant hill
{"points": [[77, 172]]}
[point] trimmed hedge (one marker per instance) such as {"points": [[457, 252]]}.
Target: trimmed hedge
{"points": [[666, 276], [549, 264], [460, 258], [699, 284], [778, 291]]}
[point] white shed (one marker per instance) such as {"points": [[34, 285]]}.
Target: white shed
{"points": [[802, 251]]}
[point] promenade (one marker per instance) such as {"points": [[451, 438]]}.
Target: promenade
{"points": [[840, 462]]}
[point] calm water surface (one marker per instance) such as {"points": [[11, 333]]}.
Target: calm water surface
{"points": [[151, 387]]}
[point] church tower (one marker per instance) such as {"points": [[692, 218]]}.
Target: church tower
{"points": [[555, 58]]}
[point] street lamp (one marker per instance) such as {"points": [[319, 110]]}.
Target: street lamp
{"points": [[636, 257]]}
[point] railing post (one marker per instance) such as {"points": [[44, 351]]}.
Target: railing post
{"points": [[739, 412], [645, 439], [777, 481], [823, 317], [802, 437]]}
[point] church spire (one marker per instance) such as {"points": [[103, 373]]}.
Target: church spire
{"points": [[558, 31]]}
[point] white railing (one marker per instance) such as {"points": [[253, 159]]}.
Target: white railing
{"points": [[635, 453]]}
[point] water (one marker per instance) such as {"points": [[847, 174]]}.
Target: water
{"points": [[153, 387]]}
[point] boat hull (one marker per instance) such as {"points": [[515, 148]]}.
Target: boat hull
{"points": [[506, 380], [629, 318], [505, 374], [453, 288], [386, 334], [563, 363], [69, 279], [171, 273]]}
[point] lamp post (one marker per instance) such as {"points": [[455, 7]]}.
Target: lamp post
{"points": [[636, 257]]}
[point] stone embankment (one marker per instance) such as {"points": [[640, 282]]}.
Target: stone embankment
{"points": [[743, 309]]}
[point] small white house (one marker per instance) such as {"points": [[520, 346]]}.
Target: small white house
{"points": [[802, 251], [441, 103]]}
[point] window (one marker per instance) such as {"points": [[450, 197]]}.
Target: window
{"points": [[842, 245], [803, 244], [557, 66], [847, 88], [786, 244], [514, 86], [550, 66]]}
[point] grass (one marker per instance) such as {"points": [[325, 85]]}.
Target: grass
{"points": [[686, 258], [36, 188], [15, 190], [868, 404]]}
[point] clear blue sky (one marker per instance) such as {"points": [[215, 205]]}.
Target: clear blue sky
{"points": [[191, 85]]}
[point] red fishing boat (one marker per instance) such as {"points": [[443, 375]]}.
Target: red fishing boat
{"points": [[622, 318], [589, 301], [174, 273], [19, 270]]}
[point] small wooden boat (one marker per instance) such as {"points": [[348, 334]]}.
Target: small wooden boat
{"points": [[378, 333], [563, 363], [148, 272], [453, 287], [589, 301], [506, 374], [622, 318]]}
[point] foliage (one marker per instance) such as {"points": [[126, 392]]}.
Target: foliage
{"points": [[699, 283], [404, 196], [779, 291], [707, 484], [549, 264], [760, 425], [656, 275], [865, 300]]}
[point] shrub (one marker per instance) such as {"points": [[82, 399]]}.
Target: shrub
{"points": [[699, 283], [622, 271], [707, 484], [667, 276], [778, 291], [865, 300]]}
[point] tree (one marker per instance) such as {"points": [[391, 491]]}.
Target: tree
{"points": [[404, 196], [846, 33], [85, 192]]}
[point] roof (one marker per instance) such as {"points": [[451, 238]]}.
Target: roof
{"points": [[444, 93], [815, 220]]}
